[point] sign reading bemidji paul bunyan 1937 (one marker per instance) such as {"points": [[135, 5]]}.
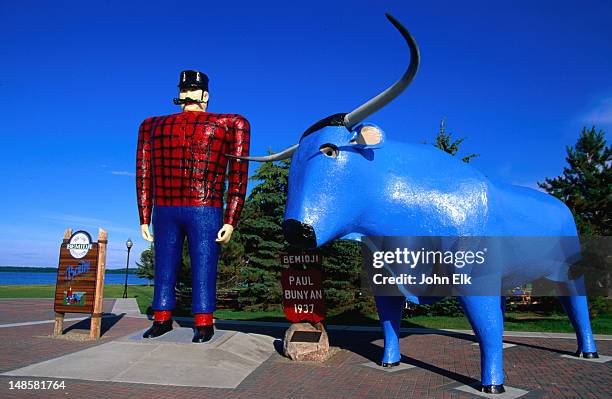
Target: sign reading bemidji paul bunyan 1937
{"points": [[77, 274], [302, 287]]}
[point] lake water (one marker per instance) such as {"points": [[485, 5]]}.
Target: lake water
{"points": [[28, 278]]}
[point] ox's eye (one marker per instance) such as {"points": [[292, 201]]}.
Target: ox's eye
{"points": [[329, 150]]}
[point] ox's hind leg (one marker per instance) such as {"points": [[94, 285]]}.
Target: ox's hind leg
{"points": [[487, 320], [575, 304], [578, 311], [390, 315]]}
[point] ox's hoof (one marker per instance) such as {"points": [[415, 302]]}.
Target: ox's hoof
{"points": [[492, 388], [587, 355], [384, 364]]}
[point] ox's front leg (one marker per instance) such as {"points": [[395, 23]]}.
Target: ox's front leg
{"points": [[487, 320], [390, 315]]}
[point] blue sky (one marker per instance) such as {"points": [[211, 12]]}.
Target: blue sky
{"points": [[518, 79]]}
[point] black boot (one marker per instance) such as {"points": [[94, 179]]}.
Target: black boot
{"points": [[203, 333], [158, 329], [495, 389]]}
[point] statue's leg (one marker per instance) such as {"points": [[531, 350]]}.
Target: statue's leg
{"points": [[577, 309], [202, 228], [390, 315], [168, 240], [486, 317]]}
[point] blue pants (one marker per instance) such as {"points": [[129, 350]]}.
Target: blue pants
{"points": [[200, 224]]}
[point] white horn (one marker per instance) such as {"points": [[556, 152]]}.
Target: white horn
{"points": [[270, 158]]}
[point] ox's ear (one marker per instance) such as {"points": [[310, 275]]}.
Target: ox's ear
{"points": [[367, 136]]}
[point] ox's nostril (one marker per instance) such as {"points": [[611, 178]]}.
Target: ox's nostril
{"points": [[299, 234]]}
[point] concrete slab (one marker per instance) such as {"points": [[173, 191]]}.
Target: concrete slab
{"points": [[172, 364], [179, 335], [251, 347], [600, 359], [169, 360], [378, 367], [99, 363], [505, 345], [511, 392], [128, 306]]}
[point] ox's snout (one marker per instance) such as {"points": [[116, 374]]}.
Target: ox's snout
{"points": [[299, 234]]}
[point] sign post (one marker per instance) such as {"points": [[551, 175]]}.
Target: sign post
{"points": [[80, 279], [303, 295], [303, 302]]}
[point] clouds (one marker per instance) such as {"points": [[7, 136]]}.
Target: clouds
{"points": [[600, 114], [123, 173], [44, 252], [38, 244], [86, 221]]}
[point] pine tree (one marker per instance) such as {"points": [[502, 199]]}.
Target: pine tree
{"points": [[342, 263], [444, 141], [228, 270], [586, 183], [262, 240], [261, 236], [146, 266]]}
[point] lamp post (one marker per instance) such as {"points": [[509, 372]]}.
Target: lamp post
{"points": [[128, 244]]}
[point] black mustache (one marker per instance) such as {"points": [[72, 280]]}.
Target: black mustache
{"points": [[187, 100]]}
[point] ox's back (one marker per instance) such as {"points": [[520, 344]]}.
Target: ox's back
{"points": [[426, 191]]}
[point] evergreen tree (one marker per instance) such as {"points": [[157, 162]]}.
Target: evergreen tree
{"points": [[261, 236], [262, 240], [146, 266], [445, 142], [232, 256], [586, 183], [341, 275]]}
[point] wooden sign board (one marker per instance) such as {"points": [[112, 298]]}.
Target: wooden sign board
{"points": [[80, 278], [76, 281], [303, 295]]}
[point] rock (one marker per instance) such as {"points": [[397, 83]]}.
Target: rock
{"points": [[300, 350]]}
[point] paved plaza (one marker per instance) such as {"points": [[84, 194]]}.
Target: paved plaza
{"points": [[243, 361]]}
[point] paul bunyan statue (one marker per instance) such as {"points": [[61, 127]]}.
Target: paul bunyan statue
{"points": [[181, 165]]}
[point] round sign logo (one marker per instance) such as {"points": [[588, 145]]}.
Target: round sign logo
{"points": [[79, 244]]}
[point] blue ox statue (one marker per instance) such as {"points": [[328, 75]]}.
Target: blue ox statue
{"points": [[346, 179]]}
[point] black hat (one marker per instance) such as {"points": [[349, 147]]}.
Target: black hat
{"points": [[193, 79]]}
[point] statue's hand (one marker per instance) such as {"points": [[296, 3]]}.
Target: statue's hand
{"points": [[224, 234], [146, 234]]}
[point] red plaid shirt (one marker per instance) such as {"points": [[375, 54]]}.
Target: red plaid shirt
{"points": [[181, 161]]}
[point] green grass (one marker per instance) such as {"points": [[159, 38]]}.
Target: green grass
{"points": [[515, 321]]}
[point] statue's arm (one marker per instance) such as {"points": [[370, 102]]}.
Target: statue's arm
{"points": [[238, 171], [144, 186]]}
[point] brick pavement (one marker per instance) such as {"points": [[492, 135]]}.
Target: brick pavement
{"points": [[19, 310], [443, 362]]}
